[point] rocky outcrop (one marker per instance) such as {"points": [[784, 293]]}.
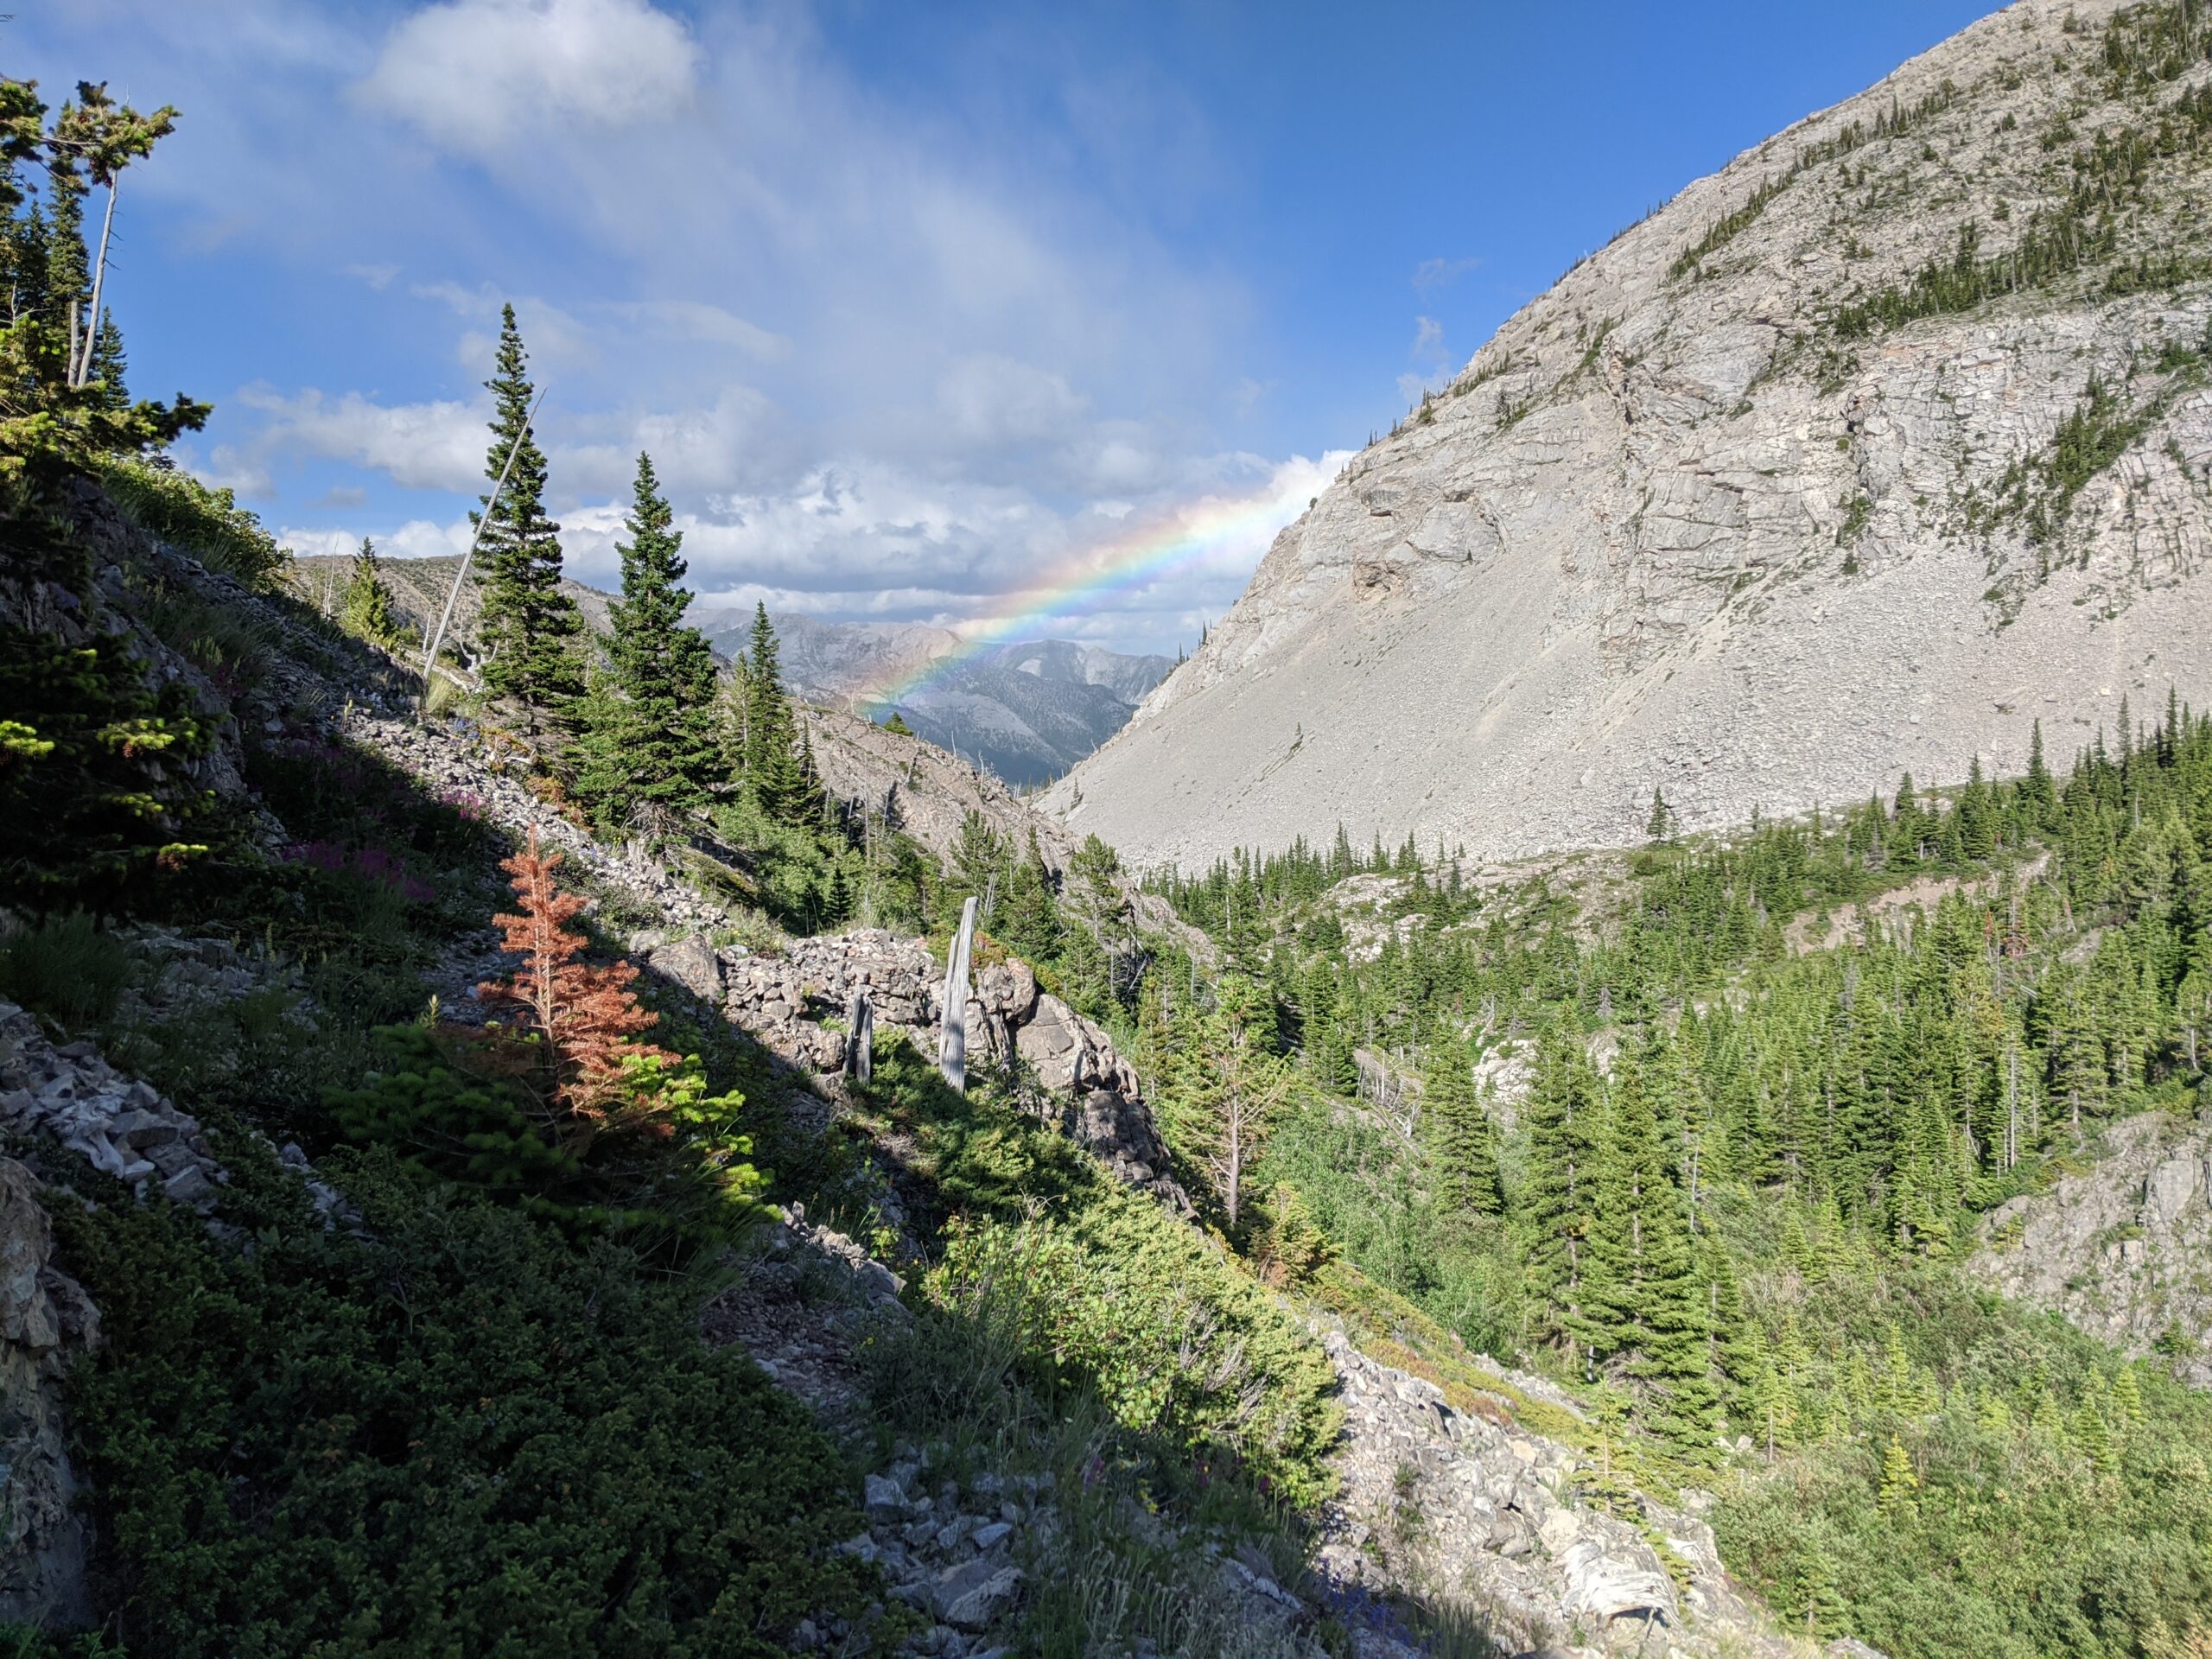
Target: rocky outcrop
{"points": [[795, 1003], [122, 1126], [2123, 1249], [1677, 526], [1453, 1506], [45, 1321]]}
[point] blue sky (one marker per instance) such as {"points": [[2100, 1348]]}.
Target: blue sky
{"points": [[909, 302]]}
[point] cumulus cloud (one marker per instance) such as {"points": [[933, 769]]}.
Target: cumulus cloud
{"points": [[476, 75], [430, 446]]}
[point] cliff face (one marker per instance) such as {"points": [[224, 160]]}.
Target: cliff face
{"points": [[2121, 1248], [1860, 455]]}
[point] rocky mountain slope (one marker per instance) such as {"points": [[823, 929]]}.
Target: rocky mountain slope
{"points": [[2121, 1248], [1028, 711], [959, 1551], [1859, 455]]}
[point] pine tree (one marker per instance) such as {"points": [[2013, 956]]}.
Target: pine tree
{"points": [[367, 613], [648, 737], [2127, 1397], [1899, 1483], [581, 1022], [773, 777], [1554, 1210], [1827, 1614], [1224, 1093], [1658, 826], [529, 628], [110, 366], [1462, 1141], [2038, 789], [1649, 1301], [2094, 1438]]}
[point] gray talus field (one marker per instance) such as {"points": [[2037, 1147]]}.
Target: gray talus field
{"points": [[1860, 455]]}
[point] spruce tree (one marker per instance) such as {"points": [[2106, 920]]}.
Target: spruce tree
{"points": [[1462, 1141], [1899, 1483], [1650, 1303], [1554, 1208], [110, 366], [774, 780], [528, 630], [367, 613], [649, 738]]}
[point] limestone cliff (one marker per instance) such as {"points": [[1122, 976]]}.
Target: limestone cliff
{"points": [[1859, 455]]}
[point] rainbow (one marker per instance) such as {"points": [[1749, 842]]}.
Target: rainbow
{"points": [[1122, 564]]}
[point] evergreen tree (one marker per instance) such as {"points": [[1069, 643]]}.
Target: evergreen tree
{"points": [[1648, 1301], [1462, 1141], [649, 737], [773, 779], [529, 628], [1899, 1483], [1552, 1212], [367, 612], [109, 367]]}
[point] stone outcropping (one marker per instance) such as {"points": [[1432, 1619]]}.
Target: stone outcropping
{"points": [[1674, 527], [45, 1320], [121, 1126], [2123, 1249], [1466, 1507], [795, 1003]]}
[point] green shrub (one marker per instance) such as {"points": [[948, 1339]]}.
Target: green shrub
{"points": [[455, 1435], [450, 1113], [208, 524], [96, 804], [1099, 1287], [65, 969]]}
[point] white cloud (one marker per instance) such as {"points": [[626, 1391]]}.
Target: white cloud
{"points": [[695, 322], [476, 75], [430, 446]]}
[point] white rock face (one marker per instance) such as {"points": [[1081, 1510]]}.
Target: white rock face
{"points": [[1673, 529], [2121, 1249]]}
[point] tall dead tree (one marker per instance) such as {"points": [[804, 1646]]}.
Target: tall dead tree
{"points": [[952, 1032]]}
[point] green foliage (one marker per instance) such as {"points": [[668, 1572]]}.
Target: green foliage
{"points": [[1767, 1102], [56, 421], [208, 524], [647, 736], [449, 1102], [452, 1434], [528, 627], [65, 969], [367, 612], [1106, 1290], [98, 801]]}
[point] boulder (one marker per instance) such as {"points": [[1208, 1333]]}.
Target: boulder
{"points": [[971, 1594], [691, 963], [45, 1320], [1008, 990]]}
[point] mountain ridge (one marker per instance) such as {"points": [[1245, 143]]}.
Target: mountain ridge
{"points": [[1751, 496], [1028, 709]]}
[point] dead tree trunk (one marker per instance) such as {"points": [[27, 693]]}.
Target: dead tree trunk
{"points": [[952, 1032], [859, 1027]]}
